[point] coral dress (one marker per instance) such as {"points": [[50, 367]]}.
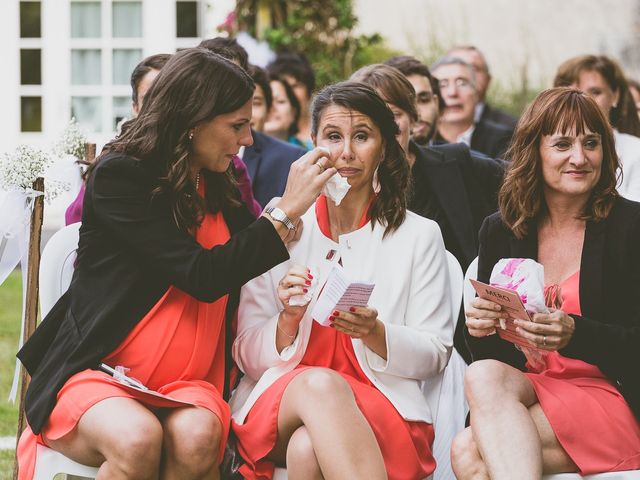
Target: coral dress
{"points": [[591, 419], [406, 446], [177, 350]]}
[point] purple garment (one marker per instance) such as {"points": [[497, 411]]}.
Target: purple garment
{"points": [[244, 185], [74, 211]]}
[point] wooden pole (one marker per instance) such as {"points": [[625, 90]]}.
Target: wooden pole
{"points": [[31, 304]]}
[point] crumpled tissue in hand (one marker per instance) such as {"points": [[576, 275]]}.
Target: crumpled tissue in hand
{"points": [[336, 188], [302, 300], [525, 276]]}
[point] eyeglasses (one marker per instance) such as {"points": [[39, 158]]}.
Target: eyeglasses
{"points": [[461, 83]]}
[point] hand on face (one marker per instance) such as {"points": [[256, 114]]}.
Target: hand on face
{"points": [[355, 145], [307, 176]]}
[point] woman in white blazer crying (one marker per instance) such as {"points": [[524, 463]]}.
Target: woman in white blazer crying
{"points": [[345, 400]]}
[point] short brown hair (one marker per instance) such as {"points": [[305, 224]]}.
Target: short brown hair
{"points": [[624, 116], [391, 85], [521, 200]]}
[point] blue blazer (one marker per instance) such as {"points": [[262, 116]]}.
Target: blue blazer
{"points": [[268, 161]]}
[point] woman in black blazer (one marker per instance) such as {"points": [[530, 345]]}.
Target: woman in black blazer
{"points": [[164, 239], [559, 206]]}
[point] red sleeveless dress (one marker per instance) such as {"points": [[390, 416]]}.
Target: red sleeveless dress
{"points": [[177, 350], [406, 446], [591, 419]]}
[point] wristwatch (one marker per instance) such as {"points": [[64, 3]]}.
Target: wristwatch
{"points": [[279, 216]]}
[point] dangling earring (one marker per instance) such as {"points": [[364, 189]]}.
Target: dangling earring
{"points": [[376, 180], [191, 135]]}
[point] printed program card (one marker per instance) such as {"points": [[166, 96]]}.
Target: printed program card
{"points": [[512, 305], [340, 293]]}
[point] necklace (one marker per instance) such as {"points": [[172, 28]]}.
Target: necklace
{"points": [[197, 181]]}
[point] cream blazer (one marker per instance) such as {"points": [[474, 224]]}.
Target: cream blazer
{"points": [[410, 273]]}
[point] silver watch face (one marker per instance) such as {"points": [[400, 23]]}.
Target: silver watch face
{"points": [[280, 216]]}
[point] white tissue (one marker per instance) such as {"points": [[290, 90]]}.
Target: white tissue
{"points": [[302, 300], [526, 277], [336, 188]]}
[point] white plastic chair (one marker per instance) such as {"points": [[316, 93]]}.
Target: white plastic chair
{"points": [[451, 409], [469, 291], [56, 266], [56, 270], [469, 295]]}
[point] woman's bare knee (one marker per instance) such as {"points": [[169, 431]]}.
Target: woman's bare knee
{"points": [[117, 434], [301, 457], [465, 457], [320, 385], [136, 450], [192, 438], [488, 383]]}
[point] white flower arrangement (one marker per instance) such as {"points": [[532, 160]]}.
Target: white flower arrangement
{"points": [[18, 170], [72, 141]]}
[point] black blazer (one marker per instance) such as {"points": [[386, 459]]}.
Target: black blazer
{"points": [[607, 333], [465, 185], [498, 116], [130, 251], [268, 161], [490, 138]]}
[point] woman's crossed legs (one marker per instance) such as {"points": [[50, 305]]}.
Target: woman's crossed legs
{"points": [[510, 436], [322, 434], [127, 441]]}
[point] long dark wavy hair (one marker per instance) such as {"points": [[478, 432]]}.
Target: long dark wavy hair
{"points": [[521, 198], [390, 205], [195, 86]]}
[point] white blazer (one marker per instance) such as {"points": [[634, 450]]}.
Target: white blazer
{"points": [[628, 149], [411, 294]]}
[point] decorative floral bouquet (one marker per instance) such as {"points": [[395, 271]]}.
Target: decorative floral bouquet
{"points": [[72, 141], [19, 169]]}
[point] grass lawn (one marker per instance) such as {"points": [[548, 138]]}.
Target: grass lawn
{"points": [[10, 314]]}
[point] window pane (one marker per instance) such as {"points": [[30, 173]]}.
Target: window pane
{"points": [[121, 110], [29, 19], [127, 19], [85, 20], [85, 67], [30, 73], [88, 112], [124, 61], [187, 19], [31, 114]]}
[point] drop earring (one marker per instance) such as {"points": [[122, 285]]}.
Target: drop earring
{"points": [[191, 135]]}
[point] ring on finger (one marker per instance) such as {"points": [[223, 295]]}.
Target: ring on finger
{"points": [[544, 340], [319, 165]]}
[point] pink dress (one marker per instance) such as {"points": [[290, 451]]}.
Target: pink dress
{"points": [[177, 350], [591, 419], [406, 446]]}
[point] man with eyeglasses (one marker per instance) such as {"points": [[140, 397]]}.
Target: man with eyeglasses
{"points": [[484, 111], [458, 89], [452, 185]]}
